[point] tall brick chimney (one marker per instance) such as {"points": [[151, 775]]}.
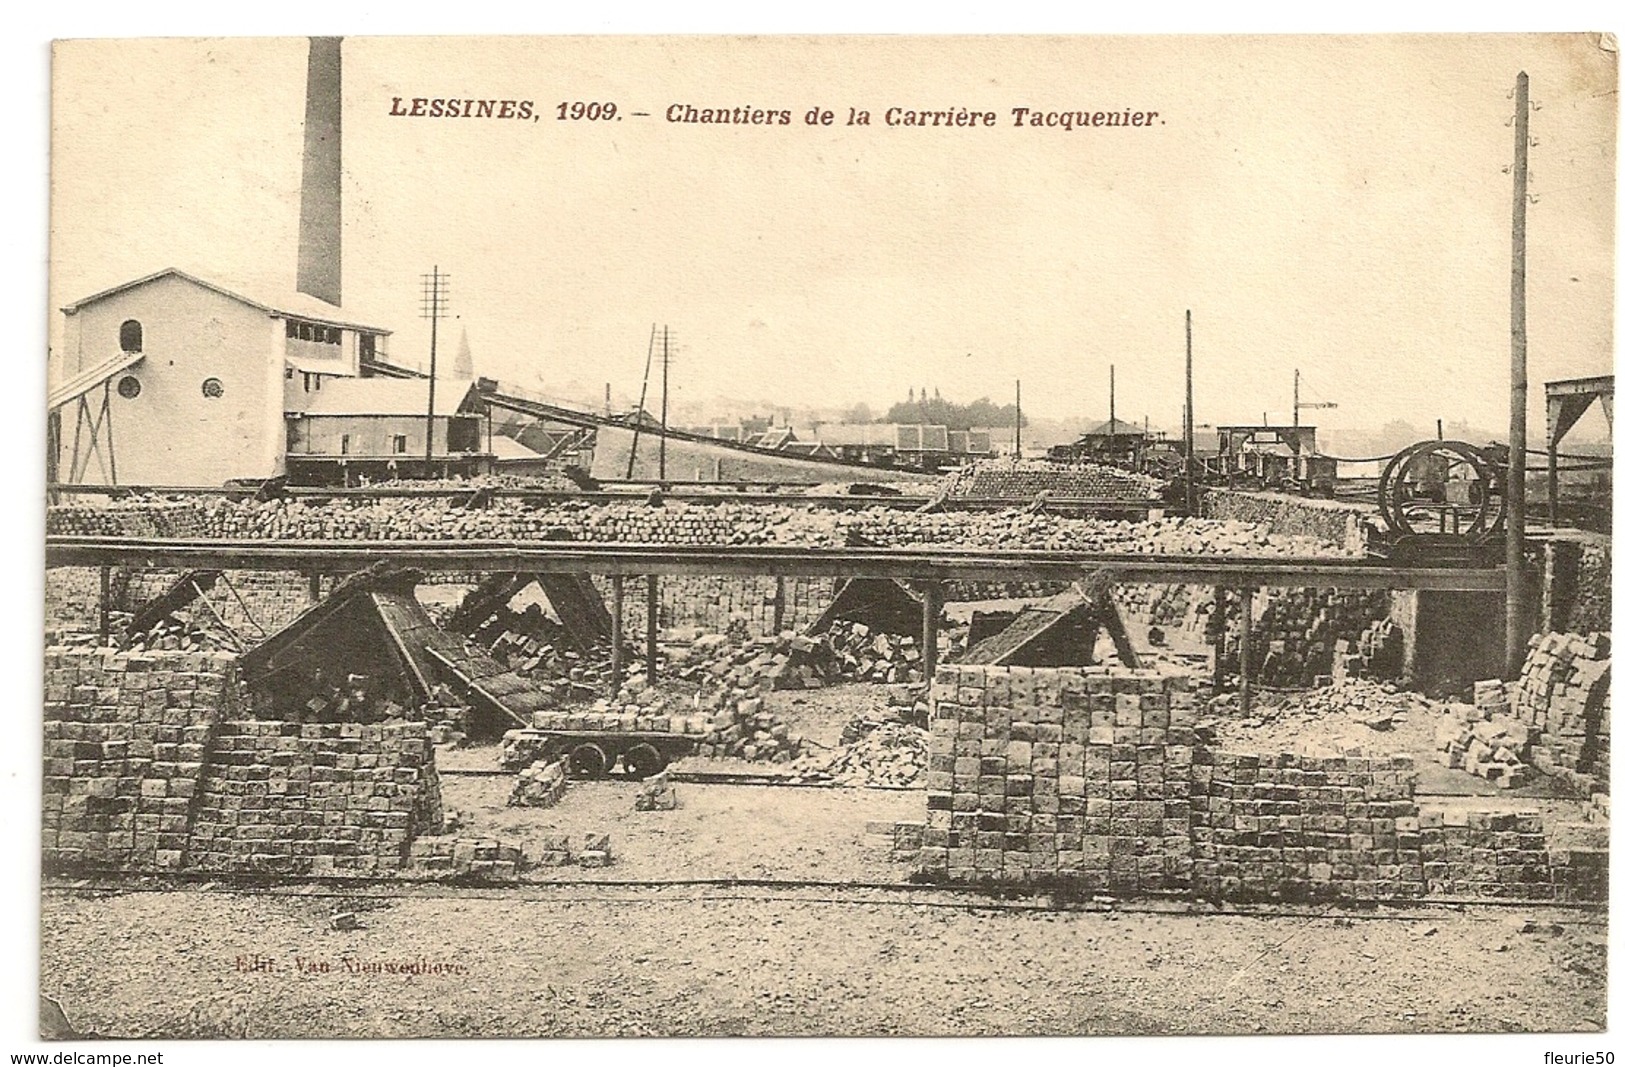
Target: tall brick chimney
{"points": [[321, 216]]}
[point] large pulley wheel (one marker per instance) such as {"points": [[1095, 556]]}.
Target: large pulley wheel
{"points": [[642, 760], [1448, 487], [587, 760]]}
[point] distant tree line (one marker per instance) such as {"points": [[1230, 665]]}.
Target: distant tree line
{"points": [[932, 410]]}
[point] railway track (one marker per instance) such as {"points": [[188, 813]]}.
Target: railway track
{"points": [[903, 894]]}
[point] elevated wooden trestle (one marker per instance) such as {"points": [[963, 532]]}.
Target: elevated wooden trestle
{"points": [[928, 567]]}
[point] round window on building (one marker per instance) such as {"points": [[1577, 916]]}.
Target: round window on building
{"points": [[213, 388], [129, 387]]}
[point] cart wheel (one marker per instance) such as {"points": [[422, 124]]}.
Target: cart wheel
{"points": [[642, 760], [588, 761]]}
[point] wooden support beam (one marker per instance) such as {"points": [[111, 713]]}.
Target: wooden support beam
{"points": [[617, 596], [315, 586], [778, 604], [1217, 624], [1245, 607], [652, 629], [931, 607], [104, 605], [1113, 621]]}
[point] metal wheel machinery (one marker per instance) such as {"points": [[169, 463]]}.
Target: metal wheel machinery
{"points": [[1443, 487]]}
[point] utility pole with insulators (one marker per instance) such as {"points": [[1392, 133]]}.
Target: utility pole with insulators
{"points": [[1304, 404], [436, 294]]}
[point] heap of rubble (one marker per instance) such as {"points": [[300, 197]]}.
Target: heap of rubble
{"points": [[890, 754]]}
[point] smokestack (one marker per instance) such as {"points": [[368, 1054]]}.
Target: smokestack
{"points": [[321, 218]]}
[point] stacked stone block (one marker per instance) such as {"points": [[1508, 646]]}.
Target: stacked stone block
{"points": [[1093, 779], [1288, 827], [1486, 855], [1070, 775], [1563, 694], [316, 798], [716, 602], [126, 738], [465, 858], [1296, 632]]}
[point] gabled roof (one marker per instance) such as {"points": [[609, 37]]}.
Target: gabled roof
{"points": [[383, 396], [290, 306], [1116, 428]]}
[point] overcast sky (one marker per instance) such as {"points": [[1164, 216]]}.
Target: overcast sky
{"points": [[1338, 205]]}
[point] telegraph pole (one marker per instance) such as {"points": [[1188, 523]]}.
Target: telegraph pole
{"points": [[436, 291], [1190, 425], [1302, 404], [1018, 418], [1111, 411], [1518, 430], [665, 375]]}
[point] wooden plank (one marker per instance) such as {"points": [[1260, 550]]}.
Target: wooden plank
{"points": [[911, 563]]}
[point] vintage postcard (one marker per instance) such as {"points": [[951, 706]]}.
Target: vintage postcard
{"points": [[828, 536]]}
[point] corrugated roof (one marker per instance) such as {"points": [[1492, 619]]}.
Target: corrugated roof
{"points": [[383, 396], [291, 305]]}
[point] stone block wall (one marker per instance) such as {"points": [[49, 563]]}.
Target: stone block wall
{"points": [[126, 741], [1563, 692], [1296, 631], [319, 798], [150, 766], [1485, 855], [712, 602], [1094, 779], [1077, 775], [272, 598], [1287, 827]]}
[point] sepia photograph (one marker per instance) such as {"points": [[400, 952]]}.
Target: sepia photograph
{"points": [[711, 536]]}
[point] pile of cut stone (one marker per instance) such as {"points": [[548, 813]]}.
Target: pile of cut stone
{"points": [[1484, 738], [180, 631], [556, 851], [539, 785], [657, 793]]}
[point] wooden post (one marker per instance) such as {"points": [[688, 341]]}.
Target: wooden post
{"points": [[104, 622], [1245, 606], [314, 578], [778, 604], [617, 594], [932, 606], [651, 629], [1517, 610], [1220, 595]]}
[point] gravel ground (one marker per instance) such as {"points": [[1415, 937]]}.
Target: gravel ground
{"points": [[718, 831], [583, 962]]}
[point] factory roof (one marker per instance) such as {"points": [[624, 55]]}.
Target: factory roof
{"points": [[292, 305]]}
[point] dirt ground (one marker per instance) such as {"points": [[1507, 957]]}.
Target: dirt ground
{"points": [[579, 961], [718, 831]]}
